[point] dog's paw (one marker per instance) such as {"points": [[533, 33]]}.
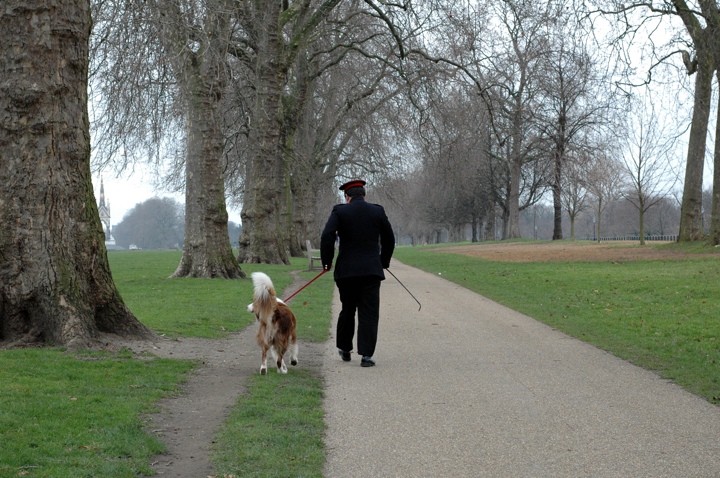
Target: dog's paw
{"points": [[293, 362], [263, 370], [250, 308]]}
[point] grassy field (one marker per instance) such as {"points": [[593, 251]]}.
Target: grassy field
{"points": [[80, 414]]}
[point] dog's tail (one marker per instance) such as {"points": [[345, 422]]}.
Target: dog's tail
{"points": [[264, 297]]}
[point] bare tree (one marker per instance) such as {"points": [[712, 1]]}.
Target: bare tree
{"points": [[575, 100], [275, 34], [195, 38], [605, 183], [55, 281], [702, 25], [574, 188], [453, 144], [341, 118], [647, 161], [189, 41], [514, 68], [704, 30]]}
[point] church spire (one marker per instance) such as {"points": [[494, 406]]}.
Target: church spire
{"points": [[102, 194], [104, 210]]}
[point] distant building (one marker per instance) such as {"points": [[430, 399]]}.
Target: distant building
{"points": [[104, 211]]}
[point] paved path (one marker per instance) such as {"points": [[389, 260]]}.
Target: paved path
{"points": [[468, 388]]}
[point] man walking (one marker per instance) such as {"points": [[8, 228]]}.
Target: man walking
{"points": [[367, 242]]}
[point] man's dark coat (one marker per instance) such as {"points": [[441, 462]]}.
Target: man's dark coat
{"points": [[366, 237]]}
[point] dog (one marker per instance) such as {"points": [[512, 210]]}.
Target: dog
{"points": [[277, 332]]}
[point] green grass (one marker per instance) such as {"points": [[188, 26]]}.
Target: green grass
{"points": [[187, 307], [276, 430], [210, 308], [78, 415], [661, 315]]}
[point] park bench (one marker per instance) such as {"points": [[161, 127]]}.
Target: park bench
{"points": [[313, 256]]}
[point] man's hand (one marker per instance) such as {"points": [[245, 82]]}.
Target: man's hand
{"points": [[327, 267]]}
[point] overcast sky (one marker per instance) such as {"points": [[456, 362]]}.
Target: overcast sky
{"points": [[125, 192]]}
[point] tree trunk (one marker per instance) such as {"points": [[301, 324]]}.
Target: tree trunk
{"points": [[511, 226], [206, 250], [263, 239], [715, 210], [642, 222], [55, 281], [599, 213], [557, 194], [690, 210], [202, 76]]}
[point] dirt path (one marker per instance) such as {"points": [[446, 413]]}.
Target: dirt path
{"points": [[188, 422], [570, 251]]}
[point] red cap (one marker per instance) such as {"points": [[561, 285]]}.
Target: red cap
{"points": [[355, 183]]}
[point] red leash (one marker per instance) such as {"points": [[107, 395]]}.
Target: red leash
{"points": [[301, 288]]}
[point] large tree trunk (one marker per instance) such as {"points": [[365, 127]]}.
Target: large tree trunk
{"points": [[691, 208], [715, 210], [55, 281], [263, 238], [202, 75], [206, 250]]}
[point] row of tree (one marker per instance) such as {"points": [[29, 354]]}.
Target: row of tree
{"points": [[272, 103]]}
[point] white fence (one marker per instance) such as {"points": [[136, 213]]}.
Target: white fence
{"points": [[655, 237]]}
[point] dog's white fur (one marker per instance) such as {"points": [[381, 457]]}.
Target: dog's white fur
{"points": [[277, 331]]}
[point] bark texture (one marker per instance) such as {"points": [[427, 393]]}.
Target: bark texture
{"points": [[198, 62], [55, 281], [263, 238], [703, 65], [691, 207]]}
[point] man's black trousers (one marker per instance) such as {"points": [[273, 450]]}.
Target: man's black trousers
{"points": [[361, 294]]}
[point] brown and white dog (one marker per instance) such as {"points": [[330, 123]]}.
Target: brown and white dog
{"points": [[277, 332]]}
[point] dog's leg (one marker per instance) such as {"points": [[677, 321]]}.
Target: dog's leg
{"points": [[278, 358], [263, 365], [293, 354], [281, 367]]}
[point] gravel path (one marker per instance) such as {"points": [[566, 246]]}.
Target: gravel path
{"points": [[468, 388]]}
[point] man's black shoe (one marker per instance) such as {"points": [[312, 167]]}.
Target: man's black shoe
{"points": [[367, 362], [345, 355]]}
